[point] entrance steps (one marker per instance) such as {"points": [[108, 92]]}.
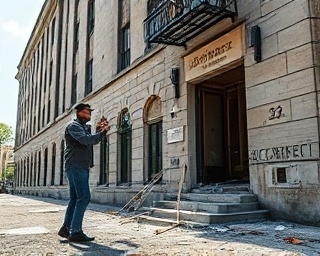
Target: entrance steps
{"points": [[209, 205]]}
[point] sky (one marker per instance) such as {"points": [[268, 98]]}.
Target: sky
{"points": [[17, 19]]}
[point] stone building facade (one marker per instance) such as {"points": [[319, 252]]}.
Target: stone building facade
{"points": [[228, 89]]}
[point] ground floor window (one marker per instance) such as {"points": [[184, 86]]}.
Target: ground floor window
{"points": [[155, 149], [125, 151]]}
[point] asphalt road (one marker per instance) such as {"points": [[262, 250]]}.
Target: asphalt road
{"points": [[29, 225]]}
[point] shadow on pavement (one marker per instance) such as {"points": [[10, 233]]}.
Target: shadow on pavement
{"points": [[95, 249]]}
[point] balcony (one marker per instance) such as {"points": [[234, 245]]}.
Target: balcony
{"points": [[175, 22]]}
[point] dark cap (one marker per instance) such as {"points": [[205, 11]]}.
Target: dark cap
{"points": [[83, 106]]}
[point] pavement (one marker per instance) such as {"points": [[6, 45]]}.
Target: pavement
{"points": [[29, 226]]}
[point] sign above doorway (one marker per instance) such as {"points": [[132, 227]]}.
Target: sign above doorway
{"points": [[225, 50]]}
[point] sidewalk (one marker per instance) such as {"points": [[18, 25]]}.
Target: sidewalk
{"points": [[29, 225]]}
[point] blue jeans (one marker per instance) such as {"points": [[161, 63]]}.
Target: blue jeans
{"points": [[79, 191]]}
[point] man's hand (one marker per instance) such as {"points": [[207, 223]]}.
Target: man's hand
{"points": [[103, 125]]}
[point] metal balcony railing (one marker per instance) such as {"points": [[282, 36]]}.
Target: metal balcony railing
{"points": [[177, 21]]}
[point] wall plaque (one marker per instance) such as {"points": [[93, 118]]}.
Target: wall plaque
{"points": [[175, 135]]}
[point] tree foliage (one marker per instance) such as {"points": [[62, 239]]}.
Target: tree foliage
{"points": [[8, 173], [5, 133]]}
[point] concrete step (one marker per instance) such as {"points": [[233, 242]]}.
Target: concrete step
{"points": [[231, 188], [208, 218], [215, 198], [207, 207], [238, 189]]}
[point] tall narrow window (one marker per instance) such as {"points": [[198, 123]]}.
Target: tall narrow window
{"points": [[24, 171], [43, 115], [76, 37], [45, 169], [125, 151], [91, 17], [88, 88], [52, 30], [61, 163], [125, 47], [35, 171], [53, 164], [39, 168], [28, 173], [153, 137], [48, 111], [104, 161], [155, 149], [31, 170], [50, 72], [124, 34], [74, 89]]}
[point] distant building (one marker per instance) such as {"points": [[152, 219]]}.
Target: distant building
{"points": [[227, 88], [6, 159]]}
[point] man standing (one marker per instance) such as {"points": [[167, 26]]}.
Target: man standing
{"points": [[78, 158]]}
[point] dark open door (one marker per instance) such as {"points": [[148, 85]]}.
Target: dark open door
{"points": [[224, 147]]}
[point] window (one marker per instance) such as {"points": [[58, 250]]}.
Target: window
{"points": [[88, 88], [61, 182], [91, 15], [124, 34], [74, 89], [39, 168], [52, 30], [35, 169], [153, 137], [45, 82], [48, 111], [53, 164], [104, 161], [125, 48], [50, 73], [125, 151], [43, 115], [76, 37], [155, 149], [45, 169]]}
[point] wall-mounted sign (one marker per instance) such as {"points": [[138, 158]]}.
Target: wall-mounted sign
{"points": [[224, 50], [175, 135]]}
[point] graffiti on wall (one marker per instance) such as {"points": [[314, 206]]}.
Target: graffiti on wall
{"points": [[275, 113], [298, 151]]}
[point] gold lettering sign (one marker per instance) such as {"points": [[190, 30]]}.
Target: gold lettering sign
{"points": [[218, 53]]}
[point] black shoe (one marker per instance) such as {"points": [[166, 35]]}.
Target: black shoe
{"points": [[64, 232], [79, 237]]}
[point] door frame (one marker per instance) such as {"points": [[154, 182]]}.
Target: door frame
{"points": [[230, 174]]}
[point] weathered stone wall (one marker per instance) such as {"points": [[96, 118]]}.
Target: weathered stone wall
{"points": [[283, 125]]}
